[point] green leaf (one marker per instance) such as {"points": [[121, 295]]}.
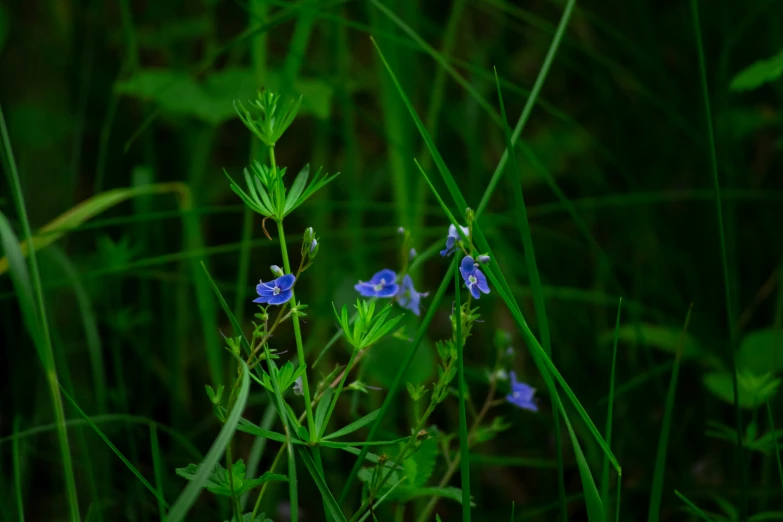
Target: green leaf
{"points": [[408, 493], [295, 192], [323, 407], [218, 480], [761, 352], [419, 466], [757, 74], [753, 391], [353, 426], [253, 429], [187, 498], [662, 337]]}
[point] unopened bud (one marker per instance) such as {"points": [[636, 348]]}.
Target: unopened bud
{"points": [[400, 230], [469, 214], [313, 246], [483, 259], [412, 254], [276, 270]]}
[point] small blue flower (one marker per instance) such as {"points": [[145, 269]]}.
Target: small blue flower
{"points": [[474, 278], [451, 240], [381, 285], [483, 259], [408, 297], [522, 395], [275, 292], [411, 254]]}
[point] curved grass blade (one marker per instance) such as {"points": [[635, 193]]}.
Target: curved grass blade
{"points": [[546, 367], [608, 435], [595, 509], [187, 498], [329, 501], [353, 426], [535, 282], [116, 451], [660, 458], [697, 511], [730, 317]]}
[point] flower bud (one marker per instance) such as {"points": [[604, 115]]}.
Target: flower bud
{"points": [[469, 214], [483, 259], [309, 235], [313, 246], [298, 386], [276, 270], [412, 254], [400, 230]]}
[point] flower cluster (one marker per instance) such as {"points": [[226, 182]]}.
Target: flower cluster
{"points": [[383, 284]]}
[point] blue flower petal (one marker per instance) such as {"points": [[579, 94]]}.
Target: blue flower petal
{"points": [[365, 289], [467, 267], [262, 300], [387, 291], [481, 281], [474, 291], [264, 290], [522, 403], [285, 282], [281, 298], [386, 275]]}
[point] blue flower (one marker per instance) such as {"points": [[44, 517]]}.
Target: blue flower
{"points": [[275, 292], [474, 278], [451, 240], [522, 395], [381, 285], [408, 297]]}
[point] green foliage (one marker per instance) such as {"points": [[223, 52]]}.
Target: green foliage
{"points": [[761, 352], [218, 479], [753, 390], [758, 73], [660, 337], [369, 327]]}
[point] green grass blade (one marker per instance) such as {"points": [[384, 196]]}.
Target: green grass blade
{"points": [[730, 317], [30, 294], [535, 282], [360, 423], [698, 511], [187, 498], [16, 452], [595, 510], [329, 501], [531, 101], [610, 411], [775, 440], [116, 451], [660, 458], [390, 396], [157, 467], [464, 451], [544, 363]]}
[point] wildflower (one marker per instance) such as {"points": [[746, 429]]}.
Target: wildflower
{"points": [[412, 254], [298, 386], [400, 230], [276, 270], [522, 394], [474, 278], [381, 285], [483, 259], [275, 292], [408, 297], [451, 240]]}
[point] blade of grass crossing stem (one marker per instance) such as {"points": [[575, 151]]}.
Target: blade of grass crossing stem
{"points": [[157, 467], [35, 321], [531, 100], [16, 455], [543, 362], [187, 498], [610, 410], [697, 511], [397, 380], [320, 482], [109, 443], [724, 259], [595, 510], [660, 457], [535, 282], [775, 439], [464, 451]]}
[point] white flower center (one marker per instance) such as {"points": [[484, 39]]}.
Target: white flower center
{"points": [[472, 280], [276, 290], [379, 286]]}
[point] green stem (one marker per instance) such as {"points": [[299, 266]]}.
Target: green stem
{"points": [[463, 420], [337, 394], [294, 317], [229, 469]]}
